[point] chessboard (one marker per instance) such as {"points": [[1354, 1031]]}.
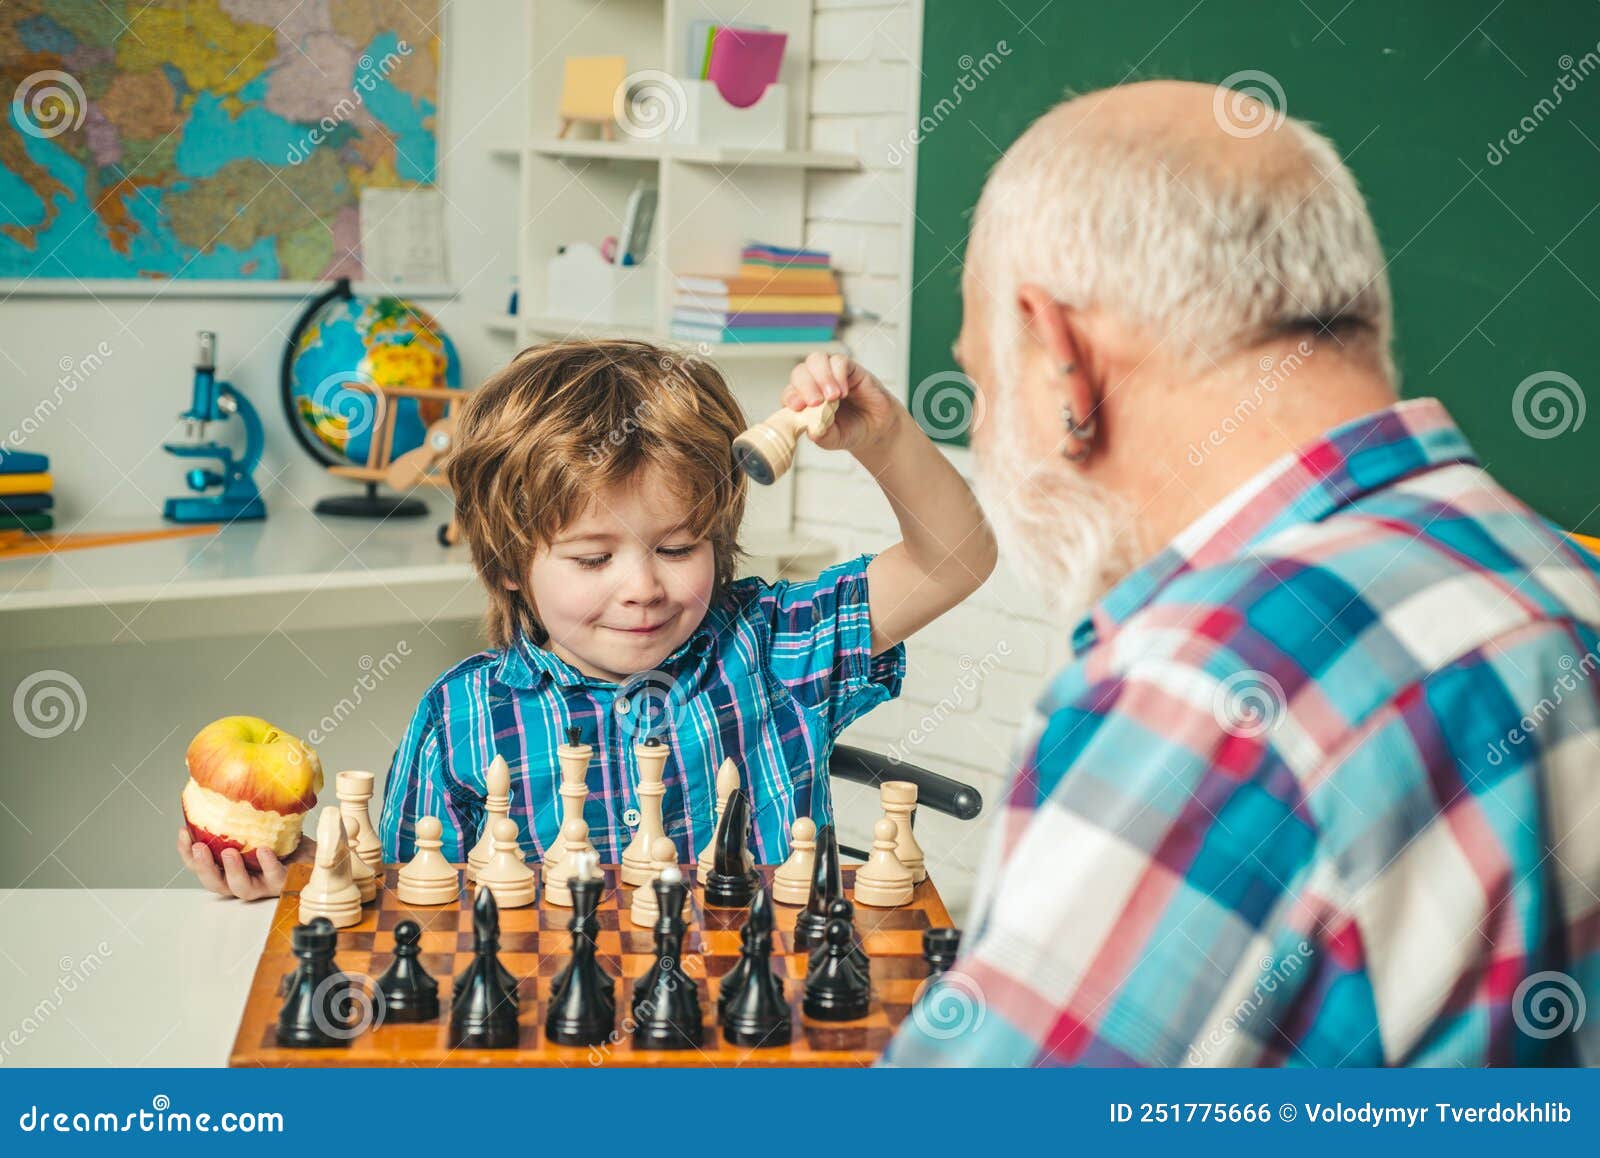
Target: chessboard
{"points": [[535, 944]]}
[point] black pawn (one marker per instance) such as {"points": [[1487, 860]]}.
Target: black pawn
{"points": [[311, 1016], [757, 1014], [827, 886], [939, 949], [583, 1002], [667, 1013], [729, 885], [843, 910], [835, 989], [758, 923], [483, 1013], [408, 992]]}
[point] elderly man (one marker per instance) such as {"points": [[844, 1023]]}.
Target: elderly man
{"points": [[1321, 785]]}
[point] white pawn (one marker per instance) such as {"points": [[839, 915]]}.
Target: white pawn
{"points": [[360, 871], [727, 781], [575, 843], [883, 882], [496, 804], [646, 908], [429, 879], [331, 890], [899, 800], [791, 883], [505, 874]]}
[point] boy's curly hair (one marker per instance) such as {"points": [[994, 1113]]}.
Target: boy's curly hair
{"points": [[563, 422]]}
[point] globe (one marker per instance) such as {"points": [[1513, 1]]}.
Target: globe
{"points": [[345, 341]]}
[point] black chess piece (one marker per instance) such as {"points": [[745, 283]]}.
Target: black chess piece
{"points": [[574, 736], [939, 949], [729, 884], [827, 886], [841, 909], [313, 1014], [756, 1012], [760, 921], [408, 992], [583, 996], [667, 1012], [483, 1013], [835, 989]]}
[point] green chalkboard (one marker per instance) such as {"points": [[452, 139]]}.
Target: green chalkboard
{"points": [[1487, 201]]}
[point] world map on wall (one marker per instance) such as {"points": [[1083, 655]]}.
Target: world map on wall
{"points": [[207, 138]]}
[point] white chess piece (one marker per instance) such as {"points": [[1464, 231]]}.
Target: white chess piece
{"points": [[429, 879], [899, 800], [355, 794], [496, 806], [636, 858], [646, 908], [574, 761], [331, 891], [505, 874], [791, 883], [575, 836], [883, 882], [727, 781], [557, 866], [360, 871]]}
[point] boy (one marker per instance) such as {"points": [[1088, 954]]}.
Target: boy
{"points": [[595, 485]]}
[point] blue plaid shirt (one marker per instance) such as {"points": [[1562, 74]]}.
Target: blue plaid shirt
{"points": [[770, 678]]}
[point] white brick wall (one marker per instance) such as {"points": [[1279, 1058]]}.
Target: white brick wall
{"points": [[971, 676]]}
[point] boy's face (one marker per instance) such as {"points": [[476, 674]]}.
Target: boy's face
{"points": [[623, 585]]}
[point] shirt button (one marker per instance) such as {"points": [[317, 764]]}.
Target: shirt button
{"points": [[631, 818]]}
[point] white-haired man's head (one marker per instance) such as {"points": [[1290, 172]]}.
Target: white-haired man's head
{"points": [[1128, 250]]}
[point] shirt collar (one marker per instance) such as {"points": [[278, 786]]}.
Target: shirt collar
{"points": [[526, 665], [1305, 486]]}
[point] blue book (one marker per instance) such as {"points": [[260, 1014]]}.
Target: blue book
{"points": [[25, 504], [746, 335], [22, 462]]}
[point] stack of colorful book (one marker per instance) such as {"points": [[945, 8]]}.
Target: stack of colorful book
{"points": [[25, 498], [778, 295]]}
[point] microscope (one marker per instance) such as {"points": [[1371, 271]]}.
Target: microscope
{"points": [[215, 401]]}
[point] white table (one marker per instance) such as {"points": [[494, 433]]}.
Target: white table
{"points": [[124, 977]]}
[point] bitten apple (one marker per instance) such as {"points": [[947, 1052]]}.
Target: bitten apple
{"points": [[250, 782]]}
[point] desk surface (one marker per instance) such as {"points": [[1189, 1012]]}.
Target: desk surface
{"points": [[124, 977]]}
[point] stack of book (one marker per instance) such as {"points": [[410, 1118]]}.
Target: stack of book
{"points": [[778, 295], [25, 498]]}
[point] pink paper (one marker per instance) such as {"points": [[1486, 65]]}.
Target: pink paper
{"points": [[744, 63]]}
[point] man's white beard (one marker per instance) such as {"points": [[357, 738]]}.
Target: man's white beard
{"points": [[1065, 536]]}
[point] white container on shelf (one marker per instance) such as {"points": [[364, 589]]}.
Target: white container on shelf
{"points": [[710, 120], [582, 285]]}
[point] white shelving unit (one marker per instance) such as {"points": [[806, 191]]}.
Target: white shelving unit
{"points": [[712, 199]]}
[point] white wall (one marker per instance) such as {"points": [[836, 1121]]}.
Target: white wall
{"points": [[104, 438], [972, 675]]}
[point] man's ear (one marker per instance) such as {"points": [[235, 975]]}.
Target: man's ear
{"points": [[1055, 335]]}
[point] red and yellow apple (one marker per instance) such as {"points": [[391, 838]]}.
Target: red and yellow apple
{"points": [[250, 783]]}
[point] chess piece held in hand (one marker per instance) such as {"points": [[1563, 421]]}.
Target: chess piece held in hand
{"points": [[766, 451]]}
